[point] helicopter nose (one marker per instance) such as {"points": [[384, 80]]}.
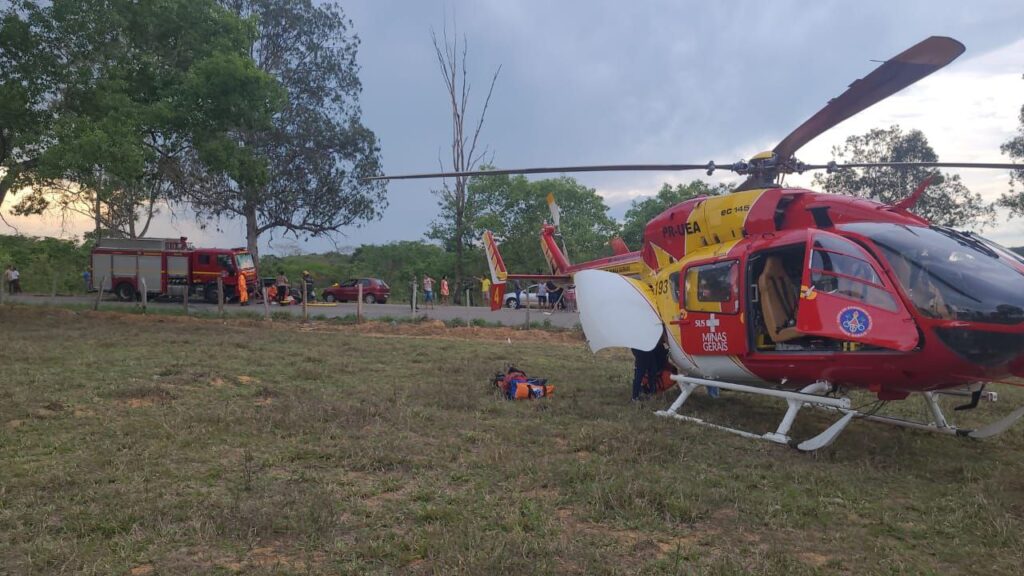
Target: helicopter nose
{"points": [[989, 350]]}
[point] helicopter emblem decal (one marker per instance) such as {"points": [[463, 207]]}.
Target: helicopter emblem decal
{"points": [[854, 321]]}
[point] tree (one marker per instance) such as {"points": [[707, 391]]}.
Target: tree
{"points": [[452, 229], [947, 201], [643, 211], [316, 151], [1014, 148], [515, 209], [129, 89]]}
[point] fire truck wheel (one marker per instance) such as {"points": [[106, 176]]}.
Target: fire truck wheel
{"points": [[125, 292], [210, 293]]}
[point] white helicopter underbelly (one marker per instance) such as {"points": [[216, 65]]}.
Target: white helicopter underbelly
{"points": [[726, 368]]}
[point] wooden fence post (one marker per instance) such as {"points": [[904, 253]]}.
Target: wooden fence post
{"points": [[527, 294], [305, 300], [266, 302], [220, 296], [188, 288], [145, 295], [99, 294], [359, 305]]}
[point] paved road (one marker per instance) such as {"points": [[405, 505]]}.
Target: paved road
{"points": [[505, 316]]}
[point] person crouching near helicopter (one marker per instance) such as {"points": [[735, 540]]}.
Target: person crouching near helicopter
{"points": [[649, 364]]}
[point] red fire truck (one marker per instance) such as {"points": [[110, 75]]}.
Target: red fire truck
{"points": [[169, 267]]}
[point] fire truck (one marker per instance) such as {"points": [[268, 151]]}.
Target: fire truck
{"points": [[169, 267]]}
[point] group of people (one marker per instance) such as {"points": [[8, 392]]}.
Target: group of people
{"points": [[550, 296], [12, 279], [428, 290], [281, 291]]}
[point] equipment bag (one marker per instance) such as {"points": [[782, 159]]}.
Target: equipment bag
{"points": [[515, 385], [664, 382]]}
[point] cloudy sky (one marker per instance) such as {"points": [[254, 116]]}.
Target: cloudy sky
{"points": [[594, 82]]}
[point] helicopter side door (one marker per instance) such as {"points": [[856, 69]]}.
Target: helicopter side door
{"points": [[845, 295], [711, 323]]}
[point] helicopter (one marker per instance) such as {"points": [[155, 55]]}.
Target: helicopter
{"points": [[804, 296]]}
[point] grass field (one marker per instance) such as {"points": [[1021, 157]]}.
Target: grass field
{"points": [[161, 445]]}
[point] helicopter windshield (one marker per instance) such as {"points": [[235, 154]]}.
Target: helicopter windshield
{"points": [[947, 274]]}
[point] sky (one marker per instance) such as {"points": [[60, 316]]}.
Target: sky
{"points": [[659, 81]]}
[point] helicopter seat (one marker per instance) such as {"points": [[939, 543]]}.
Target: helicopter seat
{"points": [[779, 298]]}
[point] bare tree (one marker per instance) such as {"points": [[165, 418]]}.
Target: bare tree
{"points": [[456, 201]]}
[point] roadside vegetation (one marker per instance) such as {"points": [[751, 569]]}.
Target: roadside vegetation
{"points": [[170, 445]]}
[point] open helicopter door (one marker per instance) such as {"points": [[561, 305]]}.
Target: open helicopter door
{"points": [[845, 295]]}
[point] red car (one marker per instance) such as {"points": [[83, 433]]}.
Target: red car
{"points": [[374, 290]]}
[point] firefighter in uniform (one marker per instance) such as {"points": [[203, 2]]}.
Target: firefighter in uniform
{"points": [[243, 290]]}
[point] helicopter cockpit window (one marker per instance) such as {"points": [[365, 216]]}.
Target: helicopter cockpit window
{"points": [[712, 288], [847, 276], [949, 275], [674, 281]]}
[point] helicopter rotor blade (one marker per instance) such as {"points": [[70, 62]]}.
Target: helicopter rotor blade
{"points": [[556, 170], [892, 76], [832, 166]]}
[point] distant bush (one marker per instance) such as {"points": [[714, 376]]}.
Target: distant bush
{"points": [[40, 260]]}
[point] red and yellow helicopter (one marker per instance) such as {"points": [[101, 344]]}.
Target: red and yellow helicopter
{"points": [[799, 295]]}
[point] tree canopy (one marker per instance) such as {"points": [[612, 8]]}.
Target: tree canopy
{"points": [[947, 201], [643, 211], [110, 96], [514, 209], [1014, 148], [315, 151]]}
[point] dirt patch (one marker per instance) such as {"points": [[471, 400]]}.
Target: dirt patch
{"points": [[142, 396], [814, 559], [641, 542], [141, 570], [265, 396], [14, 424], [246, 380], [437, 328]]}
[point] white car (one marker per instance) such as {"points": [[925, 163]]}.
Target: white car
{"points": [[526, 296]]}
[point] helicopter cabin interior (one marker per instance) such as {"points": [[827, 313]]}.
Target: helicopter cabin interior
{"points": [[774, 279]]}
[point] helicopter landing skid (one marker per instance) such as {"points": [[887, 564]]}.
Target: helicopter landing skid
{"points": [[808, 396], [940, 424], [811, 395]]}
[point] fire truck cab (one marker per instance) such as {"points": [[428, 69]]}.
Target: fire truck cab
{"points": [[169, 267]]}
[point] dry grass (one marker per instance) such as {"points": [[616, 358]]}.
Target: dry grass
{"points": [[136, 445]]}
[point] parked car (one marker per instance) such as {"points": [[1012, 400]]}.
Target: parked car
{"points": [[374, 290], [530, 295], [526, 296]]}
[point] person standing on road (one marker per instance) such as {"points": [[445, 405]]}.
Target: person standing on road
{"points": [[517, 288], [554, 295], [243, 290], [87, 279], [428, 291], [9, 279], [444, 290], [15, 280], [282, 287], [485, 290], [542, 295]]}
